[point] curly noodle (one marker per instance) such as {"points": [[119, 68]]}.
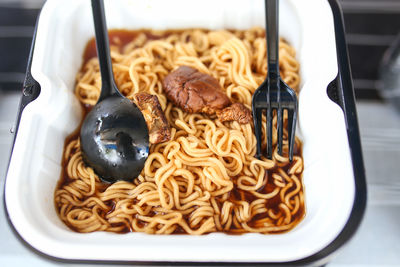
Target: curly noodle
{"points": [[206, 178]]}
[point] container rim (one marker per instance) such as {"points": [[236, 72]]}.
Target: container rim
{"points": [[340, 90]]}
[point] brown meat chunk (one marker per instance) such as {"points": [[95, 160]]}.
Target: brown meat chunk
{"points": [[236, 112], [159, 130], [194, 92]]}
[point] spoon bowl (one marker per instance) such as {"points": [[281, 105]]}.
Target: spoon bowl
{"points": [[114, 139]]}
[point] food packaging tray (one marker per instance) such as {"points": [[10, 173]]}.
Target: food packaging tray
{"points": [[334, 176]]}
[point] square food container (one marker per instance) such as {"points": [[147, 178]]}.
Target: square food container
{"points": [[334, 176]]}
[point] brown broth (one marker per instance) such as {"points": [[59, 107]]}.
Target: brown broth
{"points": [[65, 179], [120, 38]]}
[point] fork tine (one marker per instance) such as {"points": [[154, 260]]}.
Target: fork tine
{"points": [[279, 127], [257, 119], [269, 132], [292, 118]]}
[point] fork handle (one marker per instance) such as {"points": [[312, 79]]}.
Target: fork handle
{"points": [[272, 20], [272, 29]]}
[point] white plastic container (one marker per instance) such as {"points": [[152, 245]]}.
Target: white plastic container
{"points": [[63, 30]]}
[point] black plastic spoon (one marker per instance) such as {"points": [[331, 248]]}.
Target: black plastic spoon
{"points": [[114, 136]]}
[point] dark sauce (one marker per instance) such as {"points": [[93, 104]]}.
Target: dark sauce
{"points": [[116, 37], [65, 179], [120, 38], [272, 203]]}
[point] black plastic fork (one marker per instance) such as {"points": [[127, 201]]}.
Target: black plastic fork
{"points": [[274, 94]]}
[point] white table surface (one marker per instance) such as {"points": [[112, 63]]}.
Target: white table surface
{"points": [[377, 242]]}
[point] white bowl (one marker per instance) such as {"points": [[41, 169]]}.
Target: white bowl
{"points": [[66, 26]]}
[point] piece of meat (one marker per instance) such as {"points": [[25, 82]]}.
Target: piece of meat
{"points": [[159, 130], [195, 92], [235, 112]]}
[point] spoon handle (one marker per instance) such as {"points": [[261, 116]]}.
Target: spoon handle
{"points": [[108, 86], [272, 19]]}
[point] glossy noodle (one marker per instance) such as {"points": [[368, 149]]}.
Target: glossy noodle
{"points": [[206, 178]]}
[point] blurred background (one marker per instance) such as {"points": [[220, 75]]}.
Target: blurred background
{"points": [[373, 36]]}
